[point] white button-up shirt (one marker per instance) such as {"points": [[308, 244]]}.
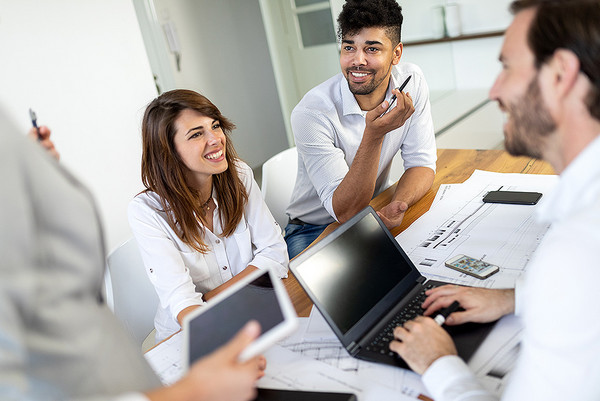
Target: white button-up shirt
{"points": [[558, 302], [328, 127], [181, 274]]}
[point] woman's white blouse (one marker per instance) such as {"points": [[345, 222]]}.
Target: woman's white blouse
{"points": [[180, 274]]}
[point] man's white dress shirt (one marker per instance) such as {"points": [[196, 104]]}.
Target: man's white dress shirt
{"points": [[328, 127], [557, 302]]}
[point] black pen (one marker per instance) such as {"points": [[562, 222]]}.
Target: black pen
{"points": [[34, 123], [393, 99], [441, 317]]}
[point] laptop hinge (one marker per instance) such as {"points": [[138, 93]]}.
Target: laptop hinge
{"points": [[421, 280], [353, 348]]}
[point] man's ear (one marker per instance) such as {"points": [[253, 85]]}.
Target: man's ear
{"points": [[564, 68], [397, 53]]}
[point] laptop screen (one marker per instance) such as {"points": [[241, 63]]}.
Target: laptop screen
{"points": [[363, 262]]}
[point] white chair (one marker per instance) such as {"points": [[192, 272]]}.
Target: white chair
{"points": [[134, 300], [278, 179]]}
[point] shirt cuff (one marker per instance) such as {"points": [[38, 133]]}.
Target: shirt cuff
{"points": [[179, 306], [449, 378], [519, 285], [131, 397], [328, 205], [262, 262]]}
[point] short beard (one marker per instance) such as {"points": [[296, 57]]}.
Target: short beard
{"points": [[531, 124], [365, 89]]}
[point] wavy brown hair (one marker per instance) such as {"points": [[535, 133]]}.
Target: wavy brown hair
{"points": [[163, 170]]}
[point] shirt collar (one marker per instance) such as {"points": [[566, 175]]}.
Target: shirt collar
{"points": [[579, 184]]}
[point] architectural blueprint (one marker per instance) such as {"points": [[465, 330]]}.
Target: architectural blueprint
{"points": [[460, 223]]}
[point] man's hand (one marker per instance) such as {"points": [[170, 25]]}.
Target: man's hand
{"points": [[45, 140], [481, 305], [377, 125], [421, 342], [393, 213], [220, 376]]}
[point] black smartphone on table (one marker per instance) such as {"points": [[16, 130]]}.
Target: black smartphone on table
{"points": [[512, 197]]}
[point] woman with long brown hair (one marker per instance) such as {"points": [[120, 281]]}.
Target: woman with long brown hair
{"points": [[201, 223]]}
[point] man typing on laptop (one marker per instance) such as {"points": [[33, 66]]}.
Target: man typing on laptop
{"points": [[550, 89]]}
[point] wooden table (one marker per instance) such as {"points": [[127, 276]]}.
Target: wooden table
{"points": [[454, 166]]}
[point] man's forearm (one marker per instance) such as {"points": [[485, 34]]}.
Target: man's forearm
{"points": [[414, 183], [356, 189]]}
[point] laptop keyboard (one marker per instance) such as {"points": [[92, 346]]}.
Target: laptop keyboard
{"points": [[380, 343]]}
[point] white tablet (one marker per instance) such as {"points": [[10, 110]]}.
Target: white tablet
{"points": [[259, 296]]}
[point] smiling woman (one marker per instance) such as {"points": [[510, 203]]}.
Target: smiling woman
{"points": [[200, 142], [201, 223]]}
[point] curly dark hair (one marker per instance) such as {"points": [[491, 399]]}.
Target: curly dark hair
{"points": [[359, 14]]}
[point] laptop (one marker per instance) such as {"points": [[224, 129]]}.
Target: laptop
{"points": [[364, 285]]}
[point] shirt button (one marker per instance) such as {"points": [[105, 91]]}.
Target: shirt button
{"points": [[224, 267], [218, 241]]}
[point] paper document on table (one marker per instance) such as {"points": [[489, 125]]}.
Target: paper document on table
{"points": [[460, 223], [289, 370], [316, 340], [285, 369], [166, 359]]}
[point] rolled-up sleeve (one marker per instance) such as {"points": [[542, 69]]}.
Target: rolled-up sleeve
{"points": [[449, 379], [162, 260]]}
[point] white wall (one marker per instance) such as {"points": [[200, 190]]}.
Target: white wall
{"points": [[81, 65], [473, 63], [224, 55]]}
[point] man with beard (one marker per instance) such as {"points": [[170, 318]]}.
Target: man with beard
{"points": [[345, 138], [549, 89]]}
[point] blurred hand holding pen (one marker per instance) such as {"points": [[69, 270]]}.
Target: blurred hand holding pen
{"points": [[43, 138], [33, 117]]}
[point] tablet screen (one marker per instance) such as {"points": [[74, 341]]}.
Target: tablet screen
{"points": [[218, 324]]}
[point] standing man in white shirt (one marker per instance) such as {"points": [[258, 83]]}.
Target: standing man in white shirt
{"points": [[549, 89], [345, 138]]}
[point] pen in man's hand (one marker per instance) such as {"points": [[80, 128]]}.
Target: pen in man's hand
{"points": [[34, 123], [393, 99], [441, 317]]}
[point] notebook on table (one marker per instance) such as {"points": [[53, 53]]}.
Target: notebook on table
{"points": [[364, 285]]}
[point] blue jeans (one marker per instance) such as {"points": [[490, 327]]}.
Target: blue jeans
{"points": [[298, 236]]}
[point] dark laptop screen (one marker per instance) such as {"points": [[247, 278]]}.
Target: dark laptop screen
{"points": [[363, 263]]}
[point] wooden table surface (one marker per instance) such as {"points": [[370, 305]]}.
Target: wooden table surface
{"points": [[454, 166]]}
